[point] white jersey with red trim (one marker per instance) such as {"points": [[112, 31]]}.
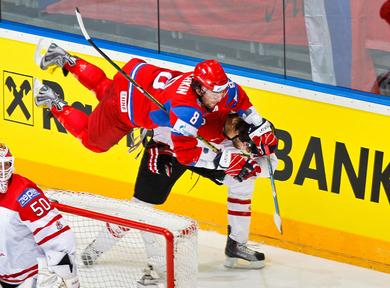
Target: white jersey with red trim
{"points": [[239, 193], [29, 228]]}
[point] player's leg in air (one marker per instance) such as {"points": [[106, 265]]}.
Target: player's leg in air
{"points": [[91, 76], [98, 131]]}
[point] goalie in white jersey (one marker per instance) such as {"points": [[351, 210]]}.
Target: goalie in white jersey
{"points": [[37, 248]]}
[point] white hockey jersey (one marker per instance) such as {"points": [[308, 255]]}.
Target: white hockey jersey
{"points": [[239, 193], [29, 228]]}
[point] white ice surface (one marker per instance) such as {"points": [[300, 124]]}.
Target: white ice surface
{"points": [[284, 269]]}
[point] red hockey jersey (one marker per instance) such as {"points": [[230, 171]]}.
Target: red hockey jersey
{"points": [[29, 227]]}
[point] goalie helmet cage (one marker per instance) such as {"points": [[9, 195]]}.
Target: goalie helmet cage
{"points": [[173, 249]]}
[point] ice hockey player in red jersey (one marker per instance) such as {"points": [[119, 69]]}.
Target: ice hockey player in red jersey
{"points": [[122, 107], [37, 248]]}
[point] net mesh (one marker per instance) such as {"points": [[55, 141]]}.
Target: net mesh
{"points": [[126, 255]]}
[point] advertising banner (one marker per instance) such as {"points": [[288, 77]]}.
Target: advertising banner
{"points": [[333, 178]]}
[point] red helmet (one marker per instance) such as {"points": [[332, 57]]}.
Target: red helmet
{"points": [[211, 75]]}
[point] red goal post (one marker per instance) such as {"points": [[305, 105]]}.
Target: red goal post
{"points": [[79, 206]]}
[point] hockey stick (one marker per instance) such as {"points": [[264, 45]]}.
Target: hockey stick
{"points": [[277, 218], [88, 38], [131, 80]]}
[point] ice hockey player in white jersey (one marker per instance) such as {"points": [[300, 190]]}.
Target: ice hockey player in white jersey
{"points": [[37, 247], [159, 171]]}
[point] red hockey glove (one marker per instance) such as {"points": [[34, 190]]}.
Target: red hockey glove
{"points": [[237, 165], [250, 168], [160, 158], [263, 135]]}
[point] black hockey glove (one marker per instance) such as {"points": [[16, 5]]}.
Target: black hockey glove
{"points": [[160, 158]]}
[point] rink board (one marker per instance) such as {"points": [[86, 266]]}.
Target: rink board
{"points": [[331, 208]]}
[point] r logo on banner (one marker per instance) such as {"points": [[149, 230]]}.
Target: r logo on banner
{"points": [[18, 98]]}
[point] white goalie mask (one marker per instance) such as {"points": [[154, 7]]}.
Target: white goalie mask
{"points": [[6, 167]]}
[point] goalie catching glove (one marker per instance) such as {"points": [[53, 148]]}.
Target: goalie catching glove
{"points": [[62, 274], [261, 136], [237, 165], [160, 158]]}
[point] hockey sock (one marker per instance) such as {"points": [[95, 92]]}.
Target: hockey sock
{"points": [[239, 211], [91, 76], [76, 123]]}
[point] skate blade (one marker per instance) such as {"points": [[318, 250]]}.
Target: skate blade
{"points": [[37, 85], [238, 263], [150, 284], [42, 47]]}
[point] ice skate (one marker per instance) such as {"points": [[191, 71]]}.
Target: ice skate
{"points": [[240, 256], [90, 254], [45, 97], [54, 56], [149, 280]]}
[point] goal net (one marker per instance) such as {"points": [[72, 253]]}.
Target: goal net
{"points": [[130, 237]]}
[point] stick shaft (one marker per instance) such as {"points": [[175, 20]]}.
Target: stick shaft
{"points": [[119, 69], [277, 218]]}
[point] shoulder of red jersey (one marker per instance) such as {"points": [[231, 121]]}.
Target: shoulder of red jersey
{"points": [[21, 195], [180, 90], [212, 127], [18, 186], [236, 99], [185, 108]]}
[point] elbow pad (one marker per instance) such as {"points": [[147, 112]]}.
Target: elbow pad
{"points": [[251, 116]]}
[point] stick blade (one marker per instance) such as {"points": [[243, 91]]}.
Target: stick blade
{"points": [[37, 85], [81, 23], [40, 50], [278, 222]]}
